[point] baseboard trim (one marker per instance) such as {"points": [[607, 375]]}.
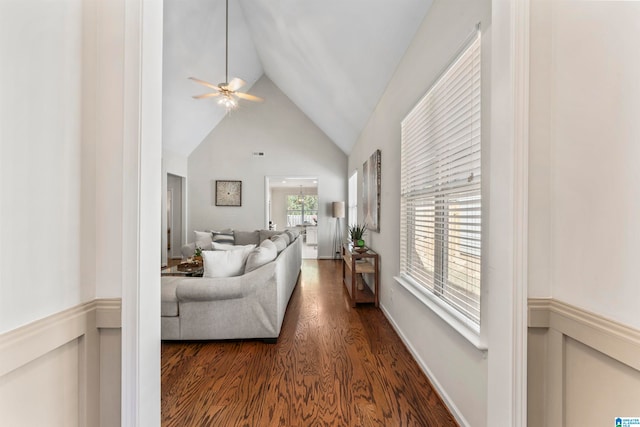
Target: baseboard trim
{"points": [[432, 378], [614, 339]]}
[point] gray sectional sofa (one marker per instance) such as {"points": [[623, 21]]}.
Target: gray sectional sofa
{"points": [[251, 305]]}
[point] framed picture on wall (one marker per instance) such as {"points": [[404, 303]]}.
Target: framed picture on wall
{"points": [[371, 191], [228, 193]]}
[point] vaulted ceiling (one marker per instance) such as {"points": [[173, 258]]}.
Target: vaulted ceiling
{"points": [[332, 58]]}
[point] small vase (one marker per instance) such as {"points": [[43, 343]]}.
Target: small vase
{"points": [[198, 259], [360, 243]]}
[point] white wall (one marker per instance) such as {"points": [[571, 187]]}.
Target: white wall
{"points": [[40, 160], [61, 155], [584, 235], [584, 201], [279, 206], [108, 86], [458, 367], [293, 145]]}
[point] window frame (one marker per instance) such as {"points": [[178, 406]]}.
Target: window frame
{"points": [[431, 296]]}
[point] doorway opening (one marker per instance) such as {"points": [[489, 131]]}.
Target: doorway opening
{"points": [[175, 218], [292, 203]]}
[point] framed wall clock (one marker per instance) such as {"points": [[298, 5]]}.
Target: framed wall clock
{"points": [[228, 193]]}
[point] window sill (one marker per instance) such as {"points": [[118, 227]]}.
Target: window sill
{"points": [[459, 323]]}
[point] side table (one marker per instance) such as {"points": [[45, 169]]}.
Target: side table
{"points": [[359, 263]]}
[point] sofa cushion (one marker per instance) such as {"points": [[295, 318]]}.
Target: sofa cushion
{"points": [[292, 233], [223, 236], [263, 254], [267, 234], [286, 238], [247, 237], [169, 306], [203, 239], [225, 247], [280, 243], [225, 263]]}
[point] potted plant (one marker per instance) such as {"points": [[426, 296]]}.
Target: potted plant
{"points": [[197, 255], [356, 233]]}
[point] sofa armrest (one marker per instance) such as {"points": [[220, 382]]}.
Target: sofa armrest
{"points": [[224, 288], [208, 290], [188, 250]]}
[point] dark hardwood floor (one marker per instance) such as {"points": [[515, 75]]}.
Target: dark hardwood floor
{"points": [[333, 365]]}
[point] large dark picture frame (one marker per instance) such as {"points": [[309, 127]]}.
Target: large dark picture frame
{"points": [[371, 191], [228, 193]]}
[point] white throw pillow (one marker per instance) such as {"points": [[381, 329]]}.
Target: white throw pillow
{"points": [[281, 244], [225, 247], [224, 263], [263, 254], [203, 239]]}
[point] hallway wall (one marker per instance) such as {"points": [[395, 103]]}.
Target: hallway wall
{"points": [[584, 233]]}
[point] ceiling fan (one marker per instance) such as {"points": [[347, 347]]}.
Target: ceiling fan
{"points": [[228, 90]]}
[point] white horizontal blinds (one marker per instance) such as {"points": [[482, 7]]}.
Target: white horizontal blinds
{"points": [[440, 187], [353, 199]]}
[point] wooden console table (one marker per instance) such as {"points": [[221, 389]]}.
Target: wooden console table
{"points": [[358, 263]]}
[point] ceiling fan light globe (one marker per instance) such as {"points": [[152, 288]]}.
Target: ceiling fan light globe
{"points": [[228, 102]]}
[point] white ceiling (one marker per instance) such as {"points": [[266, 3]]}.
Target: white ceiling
{"points": [[332, 58]]}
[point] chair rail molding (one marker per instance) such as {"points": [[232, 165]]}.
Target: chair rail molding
{"points": [[618, 341], [79, 330]]}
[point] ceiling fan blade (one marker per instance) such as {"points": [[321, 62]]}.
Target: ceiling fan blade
{"points": [[206, 95], [235, 84], [248, 97], [207, 84]]}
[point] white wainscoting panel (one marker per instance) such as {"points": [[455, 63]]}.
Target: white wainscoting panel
{"points": [[63, 370], [583, 369]]}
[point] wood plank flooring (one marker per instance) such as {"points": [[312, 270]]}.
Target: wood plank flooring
{"points": [[333, 365]]}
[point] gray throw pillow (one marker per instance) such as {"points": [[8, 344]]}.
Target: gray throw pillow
{"points": [[247, 237], [263, 254], [224, 236]]}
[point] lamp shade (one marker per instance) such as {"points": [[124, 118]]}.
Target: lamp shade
{"points": [[337, 210]]}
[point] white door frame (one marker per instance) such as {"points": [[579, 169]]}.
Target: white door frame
{"points": [[142, 188], [141, 216]]}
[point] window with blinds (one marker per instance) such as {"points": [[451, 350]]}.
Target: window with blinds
{"points": [[353, 199], [440, 187]]}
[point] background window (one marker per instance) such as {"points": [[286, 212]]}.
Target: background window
{"points": [[353, 199], [303, 211]]}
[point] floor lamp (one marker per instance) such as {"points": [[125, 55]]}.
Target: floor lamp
{"points": [[337, 211]]}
